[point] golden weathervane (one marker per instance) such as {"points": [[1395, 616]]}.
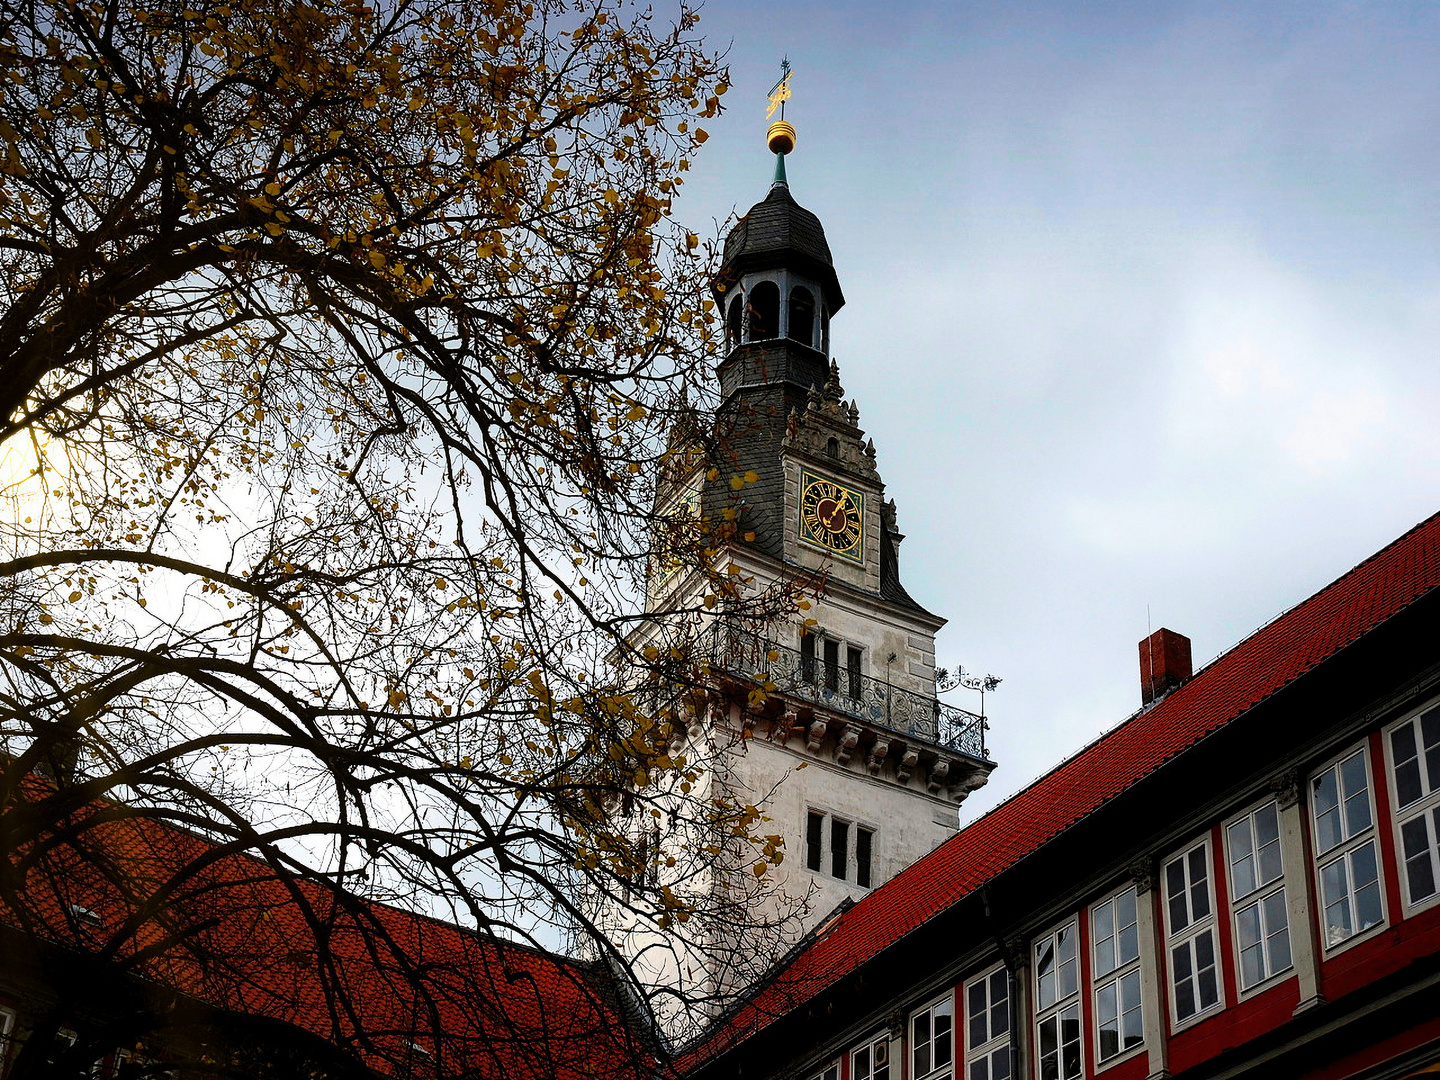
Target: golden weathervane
{"points": [[781, 135]]}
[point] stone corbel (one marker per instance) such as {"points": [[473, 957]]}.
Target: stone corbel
{"points": [[1142, 872], [1286, 787], [815, 736], [848, 740], [1017, 953], [908, 760], [877, 755], [784, 726], [939, 773], [718, 712]]}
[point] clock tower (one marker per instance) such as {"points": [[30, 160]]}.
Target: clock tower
{"points": [[829, 722]]}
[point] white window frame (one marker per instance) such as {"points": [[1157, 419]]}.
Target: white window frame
{"points": [[852, 840], [878, 1048], [936, 1006], [1187, 935], [1258, 897], [994, 1043], [827, 1072], [1118, 973], [1424, 809], [1345, 850], [1057, 1009]]}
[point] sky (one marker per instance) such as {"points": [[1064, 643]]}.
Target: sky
{"points": [[1142, 310]]}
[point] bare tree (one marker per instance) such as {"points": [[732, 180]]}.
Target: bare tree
{"points": [[340, 345]]}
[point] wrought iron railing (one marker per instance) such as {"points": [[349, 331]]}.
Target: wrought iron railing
{"points": [[834, 686]]}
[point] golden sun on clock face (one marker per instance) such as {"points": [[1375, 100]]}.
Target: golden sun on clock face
{"points": [[832, 516]]}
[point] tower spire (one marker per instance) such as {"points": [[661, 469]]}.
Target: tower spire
{"points": [[781, 135]]}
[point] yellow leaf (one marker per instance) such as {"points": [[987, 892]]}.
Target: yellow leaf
{"points": [[75, 596]]}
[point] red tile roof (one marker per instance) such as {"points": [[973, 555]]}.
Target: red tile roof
{"points": [[1262, 664], [247, 941]]}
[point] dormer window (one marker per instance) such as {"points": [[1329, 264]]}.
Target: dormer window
{"points": [[764, 311], [802, 316]]}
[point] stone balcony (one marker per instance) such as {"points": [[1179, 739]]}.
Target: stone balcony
{"points": [[855, 718]]}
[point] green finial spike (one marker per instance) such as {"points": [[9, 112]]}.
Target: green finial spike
{"points": [[780, 171]]}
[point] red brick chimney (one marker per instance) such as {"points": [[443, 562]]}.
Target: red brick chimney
{"points": [[1164, 663]]}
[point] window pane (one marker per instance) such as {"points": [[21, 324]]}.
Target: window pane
{"points": [[1252, 966], [839, 846], [1045, 972], [1242, 857], [814, 832], [1209, 990], [1175, 895], [1430, 736], [1000, 1004], [1199, 884], [978, 1011], [1419, 870], [1357, 794], [862, 857], [1184, 986], [1070, 1041], [1335, 890], [1131, 1026], [941, 1013], [1326, 802], [1407, 767], [1365, 877]]}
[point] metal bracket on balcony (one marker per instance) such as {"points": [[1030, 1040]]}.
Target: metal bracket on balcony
{"points": [[908, 760], [815, 736], [849, 739], [878, 753], [939, 772]]}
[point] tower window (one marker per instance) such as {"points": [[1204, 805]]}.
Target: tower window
{"points": [[839, 847], [820, 664], [824, 330], [832, 664], [807, 657], [734, 315], [764, 311], [814, 839], [832, 447], [802, 316], [844, 849]]}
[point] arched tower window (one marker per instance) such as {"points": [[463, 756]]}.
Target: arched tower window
{"points": [[764, 311], [832, 448], [802, 316], [733, 316], [824, 329]]}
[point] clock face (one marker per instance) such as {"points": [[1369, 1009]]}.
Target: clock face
{"points": [[832, 516]]}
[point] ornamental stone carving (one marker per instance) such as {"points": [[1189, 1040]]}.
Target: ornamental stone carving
{"points": [[939, 772], [878, 753], [908, 760], [849, 738], [1286, 787], [1142, 872], [815, 736]]}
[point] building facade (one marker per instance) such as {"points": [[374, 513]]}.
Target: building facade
{"points": [[1241, 879]]}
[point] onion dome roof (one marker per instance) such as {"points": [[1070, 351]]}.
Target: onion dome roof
{"points": [[778, 233]]}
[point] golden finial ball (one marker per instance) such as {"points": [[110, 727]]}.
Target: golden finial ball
{"points": [[781, 137]]}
